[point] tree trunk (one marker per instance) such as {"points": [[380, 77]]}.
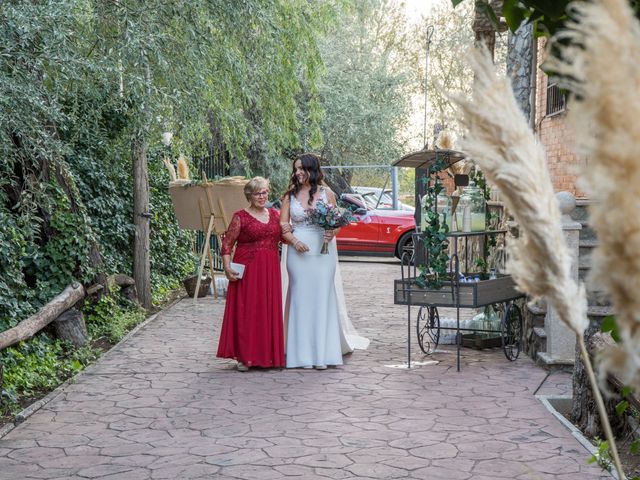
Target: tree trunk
{"points": [[337, 182], [52, 310], [70, 326], [141, 216], [520, 65], [584, 412], [484, 30]]}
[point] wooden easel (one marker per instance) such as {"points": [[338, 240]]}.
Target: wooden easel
{"points": [[207, 221], [207, 207]]}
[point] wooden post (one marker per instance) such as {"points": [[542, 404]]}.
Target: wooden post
{"points": [[203, 218], [203, 257], [141, 259]]}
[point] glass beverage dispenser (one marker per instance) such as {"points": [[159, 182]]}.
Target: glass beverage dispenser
{"points": [[474, 209]]}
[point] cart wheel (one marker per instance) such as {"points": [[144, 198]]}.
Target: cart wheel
{"points": [[428, 329], [511, 327]]}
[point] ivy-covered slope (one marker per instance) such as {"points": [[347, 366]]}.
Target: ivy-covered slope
{"points": [[78, 80]]}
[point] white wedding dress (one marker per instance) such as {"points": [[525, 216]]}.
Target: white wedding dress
{"points": [[318, 331]]}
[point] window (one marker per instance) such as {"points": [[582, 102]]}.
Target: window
{"points": [[556, 100]]}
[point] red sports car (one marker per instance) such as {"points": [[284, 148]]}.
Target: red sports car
{"points": [[379, 232]]}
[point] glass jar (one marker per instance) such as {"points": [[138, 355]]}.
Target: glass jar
{"points": [[425, 205], [456, 215], [474, 209], [491, 322], [478, 323], [443, 209], [443, 206], [463, 212]]}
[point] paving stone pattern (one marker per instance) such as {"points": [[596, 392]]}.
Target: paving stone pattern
{"points": [[161, 406]]}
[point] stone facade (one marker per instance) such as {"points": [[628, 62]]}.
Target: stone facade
{"points": [[519, 64], [557, 138]]}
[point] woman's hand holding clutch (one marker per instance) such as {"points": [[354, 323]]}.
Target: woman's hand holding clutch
{"points": [[231, 274]]}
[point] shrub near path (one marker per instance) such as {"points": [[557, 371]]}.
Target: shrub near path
{"points": [[33, 368]]}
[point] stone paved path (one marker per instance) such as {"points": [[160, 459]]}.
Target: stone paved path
{"points": [[161, 406]]}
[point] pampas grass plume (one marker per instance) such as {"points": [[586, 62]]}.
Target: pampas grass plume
{"points": [[444, 140], [606, 73], [500, 141], [183, 168]]}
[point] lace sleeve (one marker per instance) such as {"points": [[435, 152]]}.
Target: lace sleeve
{"points": [[231, 235]]}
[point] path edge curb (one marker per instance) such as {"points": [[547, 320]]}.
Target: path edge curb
{"points": [[577, 434]]}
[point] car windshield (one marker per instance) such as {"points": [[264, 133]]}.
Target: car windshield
{"points": [[353, 201], [372, 200]]}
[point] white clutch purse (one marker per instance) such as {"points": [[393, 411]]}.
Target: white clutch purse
{"points": [[237, 267]]}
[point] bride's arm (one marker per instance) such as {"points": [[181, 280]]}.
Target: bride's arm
{"points": [[287, 232], [331, 197]]}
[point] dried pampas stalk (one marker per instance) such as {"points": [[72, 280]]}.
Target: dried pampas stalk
{"points": [[170, 168], [500, 141], [605, 121], [444, 140], [462, 167], [183, 168]]}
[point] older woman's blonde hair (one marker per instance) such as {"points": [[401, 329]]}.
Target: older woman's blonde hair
{"points": [[255, 184]]}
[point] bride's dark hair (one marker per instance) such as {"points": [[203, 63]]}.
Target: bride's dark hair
{"points": [[311, 165]]}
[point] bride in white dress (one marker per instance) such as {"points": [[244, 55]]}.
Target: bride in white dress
{"points": [[318, 331]]}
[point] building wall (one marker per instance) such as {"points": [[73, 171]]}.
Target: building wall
{"points": [[557, 138]]}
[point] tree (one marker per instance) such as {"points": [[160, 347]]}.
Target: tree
{"points": [[180, 63], [88, 87], [365, 89], [448, 73]]}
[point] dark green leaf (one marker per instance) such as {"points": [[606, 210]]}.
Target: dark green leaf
{"points": [[490, 13], [514, 14], [609, 325], [622, 407]]}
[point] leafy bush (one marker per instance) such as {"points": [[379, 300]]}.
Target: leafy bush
{"points": [[38, 365], [110, 320]]}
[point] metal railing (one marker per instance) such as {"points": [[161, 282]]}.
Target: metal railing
{"points": [[556, 100], [214, 164]]}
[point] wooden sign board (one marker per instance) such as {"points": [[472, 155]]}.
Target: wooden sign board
{"points": [[194, 204]]}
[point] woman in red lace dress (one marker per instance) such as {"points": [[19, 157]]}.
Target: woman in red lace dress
{"points": [[252, 329]]}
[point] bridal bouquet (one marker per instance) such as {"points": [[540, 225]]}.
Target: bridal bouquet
{"points": [[328, 217]]}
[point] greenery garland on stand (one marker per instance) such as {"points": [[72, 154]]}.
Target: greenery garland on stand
{"points": [[433, 234]]}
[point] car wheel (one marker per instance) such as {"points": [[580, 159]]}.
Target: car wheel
{"points": [[405, 250]]}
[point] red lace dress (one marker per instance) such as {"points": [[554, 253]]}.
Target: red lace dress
{"points": [[252, 328]]}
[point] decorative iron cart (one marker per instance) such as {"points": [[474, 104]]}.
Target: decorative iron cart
{"points": [[408, 290]]}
